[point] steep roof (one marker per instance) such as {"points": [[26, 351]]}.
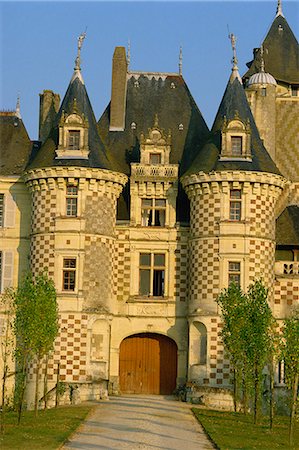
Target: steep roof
{"points": [[98, 156], [281, 53], [234, 101], [168, 96], [287, 227], [15, 144]]}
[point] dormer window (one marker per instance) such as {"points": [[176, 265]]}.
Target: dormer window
{"points": [[73, 135], [235, 139], [236, 145], [155, 158], [74, 139]]}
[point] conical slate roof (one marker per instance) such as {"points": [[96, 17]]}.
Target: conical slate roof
{"points": [[15, 144], [98, 157], [281, 53], [287, 227], [234, 102]]}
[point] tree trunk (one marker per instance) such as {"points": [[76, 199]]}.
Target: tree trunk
{"points": [[3, 396], [245, 398], [46, 382], [22, 391], [271, 406], [57, 386], [256, 392], [293, 409], [36, 385], [235, 390]]}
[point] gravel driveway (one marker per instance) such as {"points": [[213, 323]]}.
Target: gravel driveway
{"points": [[140, 422]]}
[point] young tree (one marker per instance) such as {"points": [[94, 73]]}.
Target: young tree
{"points": [[7, 345], [290, 354], [36, 326], [233, 310], [259, 322]]}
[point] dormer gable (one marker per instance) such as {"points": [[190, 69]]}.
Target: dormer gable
{"points": [[73, 135], [155, 148], [235, 139]]}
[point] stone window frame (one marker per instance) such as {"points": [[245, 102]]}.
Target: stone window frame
{"points": [[235, 128], [71, 200], [69, 272], [157, 274], [154, 212], [235, 206], [234, 271]]}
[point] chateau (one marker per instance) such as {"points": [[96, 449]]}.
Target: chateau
{"points": [[143, 216]]}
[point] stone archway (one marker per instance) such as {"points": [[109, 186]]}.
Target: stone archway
{"points": [[148, 364]]}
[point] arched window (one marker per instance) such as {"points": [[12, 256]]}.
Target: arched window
{"points": [[200, 343]]}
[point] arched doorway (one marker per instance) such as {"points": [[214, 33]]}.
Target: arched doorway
{"points": [[147, 364]]}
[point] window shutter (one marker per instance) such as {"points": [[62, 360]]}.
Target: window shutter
{"points": [[7, 270], [9, 211]]}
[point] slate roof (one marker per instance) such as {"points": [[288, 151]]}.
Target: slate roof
{"points": [[15, 145], [234, 99], [281, 53], [287, 227], [98, 156], [167, 96]]}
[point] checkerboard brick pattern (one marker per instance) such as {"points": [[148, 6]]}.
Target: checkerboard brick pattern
{"points": [[181, 271], [42, 253], [261, 262], [122, 265], [98, 272], [287, 138], [286, 292], [262, 216], [219, 368], [70, 351], [205, 214], [43, 211], [100, 212]]}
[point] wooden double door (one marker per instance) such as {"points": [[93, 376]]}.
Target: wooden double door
{"points": [[148, 364]]}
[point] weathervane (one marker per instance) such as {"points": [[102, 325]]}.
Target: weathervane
{"points": [[233, 40], [80, 43], [279, 9], [181, 61], [18, 108]]}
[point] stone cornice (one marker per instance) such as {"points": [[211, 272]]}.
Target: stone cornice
{"points": [[89, 178], [214, 178]]}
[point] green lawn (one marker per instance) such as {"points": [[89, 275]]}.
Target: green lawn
{"points": [[48, 431], [230, 430]]}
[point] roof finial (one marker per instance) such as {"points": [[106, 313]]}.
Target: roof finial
{"points": [[80, 42], [235, 73], [262, 68], [181, 61], [129, 54], [279, 9], [18, 109], [156, 121], [233, 40]]}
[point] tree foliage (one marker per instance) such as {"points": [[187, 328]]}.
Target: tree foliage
{"points": [[290, 354], [35, 325]]}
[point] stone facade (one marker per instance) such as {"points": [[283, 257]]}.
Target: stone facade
{"points": [[150, 272]]}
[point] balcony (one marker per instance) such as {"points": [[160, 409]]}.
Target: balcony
{"points": [[168, 171], [288, 269]]}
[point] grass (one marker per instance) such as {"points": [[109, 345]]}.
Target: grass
{"points": [[48, 431], [229, 430]]}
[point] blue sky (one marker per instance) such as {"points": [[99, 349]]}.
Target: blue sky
{"points": [[39, 44]]}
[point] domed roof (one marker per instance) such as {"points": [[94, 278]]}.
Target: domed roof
{"points": [[261, 78]]}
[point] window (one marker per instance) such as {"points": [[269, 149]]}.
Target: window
{"points": [[74, 140], [71, 200], [6, 269], [235, 205], [155, 158], [264, 92], [236, 142], [234, 273], [1, 263], [153, 212], [281, 372], [295, 91], [151, 274], [1, 210], [69, 274]]}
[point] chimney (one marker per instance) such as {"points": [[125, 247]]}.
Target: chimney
{"points": [[48, 109], [119, 90]]}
